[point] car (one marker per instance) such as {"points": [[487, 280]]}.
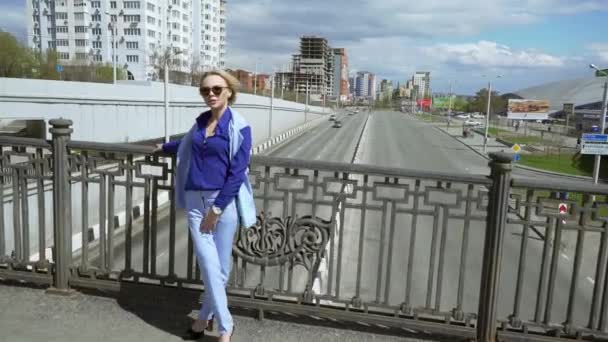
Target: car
{"points": [[463, 116], [337, 124], [332, 117], [478, 116], [473, 123]]}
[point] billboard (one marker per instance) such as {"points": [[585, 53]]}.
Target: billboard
{"points": [[526, 109], [424, 102], [441, 102]]}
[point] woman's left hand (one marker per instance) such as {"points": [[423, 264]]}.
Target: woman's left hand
{"points": [[209, 222]]}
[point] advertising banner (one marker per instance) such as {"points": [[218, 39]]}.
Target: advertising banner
{"points": [[441, 102], [528, 109]]}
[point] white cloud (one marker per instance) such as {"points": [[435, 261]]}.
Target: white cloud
{"points": [[491, 54], [600, 51], [13, 21]]}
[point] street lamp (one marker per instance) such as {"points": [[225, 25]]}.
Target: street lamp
{"points": [[485, 139], [111, 27], [598, 157]]}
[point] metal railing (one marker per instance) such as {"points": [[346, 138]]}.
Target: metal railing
{"points": [[466, 255]]}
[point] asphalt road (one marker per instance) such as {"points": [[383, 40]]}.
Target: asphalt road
{"points": [[396, 140]]}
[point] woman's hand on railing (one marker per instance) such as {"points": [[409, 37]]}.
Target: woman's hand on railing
{"points": [[158, 148]]}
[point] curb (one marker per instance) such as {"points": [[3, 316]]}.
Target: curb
{"points": [[284, 136]]}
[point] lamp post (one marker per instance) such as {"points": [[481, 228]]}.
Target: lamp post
{"points": [[111, 27], [598, 157], [485, 139]]}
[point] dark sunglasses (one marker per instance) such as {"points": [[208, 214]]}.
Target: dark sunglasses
{"points": [[217, 90]]}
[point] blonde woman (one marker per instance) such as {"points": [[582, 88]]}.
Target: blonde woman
{"points": [[213, 186]]}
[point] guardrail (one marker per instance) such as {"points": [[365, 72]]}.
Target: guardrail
{"points": [[465, 255]]}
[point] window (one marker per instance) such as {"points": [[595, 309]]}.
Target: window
{"points": [[185, 28], [61, 15], [151, 34], [152, 46], [113, 18], [81, 55], [61, 29], [133, 58], [97, 58], [131, 18], [81, 42], [150, 6], [79, 16], [131, 4], [185, 40], [63, 55], [207, 27], [96, 17], [184, 64], [112, 4], [151, 20], [132, 32], [132, 45], [96, 30], [175, 26], [96, 44], [175, 38], [176, 2], [175, 14], [207, 16], [207, 47], [36, 19], [207, 6], [95, 4], [62, 42], [184, 17], [207, 37], [50, 30], [80, 29], [51, 45]]}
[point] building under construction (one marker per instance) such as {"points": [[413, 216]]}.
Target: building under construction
{"points": [[313, 67]]}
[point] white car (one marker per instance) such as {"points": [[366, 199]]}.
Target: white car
{"points": [[473, 123], [463, 116], [478, 116]]}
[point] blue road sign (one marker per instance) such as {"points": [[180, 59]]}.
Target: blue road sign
{"points": [[516, 157], [596, 138], [59, 68]]}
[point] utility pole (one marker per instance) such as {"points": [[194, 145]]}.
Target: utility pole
{"points": [[168, 47], [255, 79], [271, 105], [485, 140], [450, 102], [306, 105], [598, 157]]}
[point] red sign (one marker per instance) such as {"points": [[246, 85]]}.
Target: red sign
{"points": [[563, 208], [424, 102]]}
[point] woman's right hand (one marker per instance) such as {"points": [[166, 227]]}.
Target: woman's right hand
{"points": [[158, 148]]}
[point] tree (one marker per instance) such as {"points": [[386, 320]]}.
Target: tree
{"points": [[480, 102], [15, 59]]}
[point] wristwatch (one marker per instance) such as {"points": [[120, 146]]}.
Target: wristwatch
{"points": [[217, 211]]}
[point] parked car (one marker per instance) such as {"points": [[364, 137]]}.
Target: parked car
{"points": [[332, 117], [478, 116], [463, 116], [473, 123], [337, 124]]}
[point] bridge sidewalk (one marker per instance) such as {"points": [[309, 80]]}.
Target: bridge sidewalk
{"points": [[29, 314]]}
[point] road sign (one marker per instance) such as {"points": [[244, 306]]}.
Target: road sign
{"points": [[594, 144], [517, 157], [516, 148], [59, 68], [563, 210]]}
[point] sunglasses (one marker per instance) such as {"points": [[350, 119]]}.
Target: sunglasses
{"points": [[216, 90]]}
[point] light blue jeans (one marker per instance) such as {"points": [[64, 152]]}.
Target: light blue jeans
{"points": [[214, 254]]}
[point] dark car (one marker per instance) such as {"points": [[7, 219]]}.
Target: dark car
{"points": [[337, 124]]}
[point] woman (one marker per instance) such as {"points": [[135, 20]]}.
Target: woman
{"points": [[211, 183]]}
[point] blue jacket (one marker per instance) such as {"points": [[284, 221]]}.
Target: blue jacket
{"points": [[244, 200]]}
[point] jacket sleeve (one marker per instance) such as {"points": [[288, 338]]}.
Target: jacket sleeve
{"points": [[236, 171], [171, 146]]}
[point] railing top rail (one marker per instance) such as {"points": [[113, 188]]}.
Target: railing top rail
{"points": [[27, 142], [561, 185], [110, 147]]}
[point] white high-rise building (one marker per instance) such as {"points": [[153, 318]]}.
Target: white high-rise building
{"points": [[422, 79], [82, 31]]}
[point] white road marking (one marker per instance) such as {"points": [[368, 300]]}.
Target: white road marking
{"points": [[589, 279], [565, 256]]}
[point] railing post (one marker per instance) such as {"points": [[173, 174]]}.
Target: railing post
{"points": [[62, 222], [492, 252]]}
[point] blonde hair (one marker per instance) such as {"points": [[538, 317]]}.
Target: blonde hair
{"points": [[231, 81]]}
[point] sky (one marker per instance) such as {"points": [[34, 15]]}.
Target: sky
{"points": [[514, 44]]}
